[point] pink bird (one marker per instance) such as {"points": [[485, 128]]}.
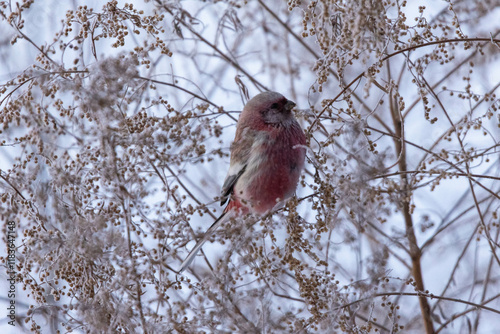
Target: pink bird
{"points": [[267, 157]]}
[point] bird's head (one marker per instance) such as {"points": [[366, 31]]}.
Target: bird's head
{"points": [[269, 108]]}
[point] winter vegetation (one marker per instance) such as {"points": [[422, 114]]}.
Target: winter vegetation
{"points": [[116, 121]]}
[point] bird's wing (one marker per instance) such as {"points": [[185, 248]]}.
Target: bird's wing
{"points": [[232, 177], [240, 154]]}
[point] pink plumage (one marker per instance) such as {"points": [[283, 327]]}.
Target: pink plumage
{"points": [[267, 157]]}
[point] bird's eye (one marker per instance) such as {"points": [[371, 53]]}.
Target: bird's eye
{"points": [[274, 106]]}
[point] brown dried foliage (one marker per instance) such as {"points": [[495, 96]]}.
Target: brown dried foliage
{"points": [[115, 139]]}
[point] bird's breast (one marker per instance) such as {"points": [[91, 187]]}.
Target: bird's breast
{"points": [[274, 166]]}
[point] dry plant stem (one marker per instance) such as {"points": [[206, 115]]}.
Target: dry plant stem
{"points": [[415, 172], [415, 252], [486, 284], [467, 167], [474, 305], [474, 308], [410, 48], [445, 223], [455, 268], [197, 201], [214, 47], [124, 198], [445, 77], [138, 289], [22, 35], [316, 56], [247, 325], [437, 156]]}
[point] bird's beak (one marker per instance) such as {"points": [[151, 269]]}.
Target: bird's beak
{"points": [[289, 105]]}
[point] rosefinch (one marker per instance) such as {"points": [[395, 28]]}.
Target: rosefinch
{"points": [[267, 157]]}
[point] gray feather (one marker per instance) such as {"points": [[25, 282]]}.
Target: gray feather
{"points": [[200, 242]]}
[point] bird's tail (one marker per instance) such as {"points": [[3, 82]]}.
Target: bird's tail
{"points": [[200, 242]]}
